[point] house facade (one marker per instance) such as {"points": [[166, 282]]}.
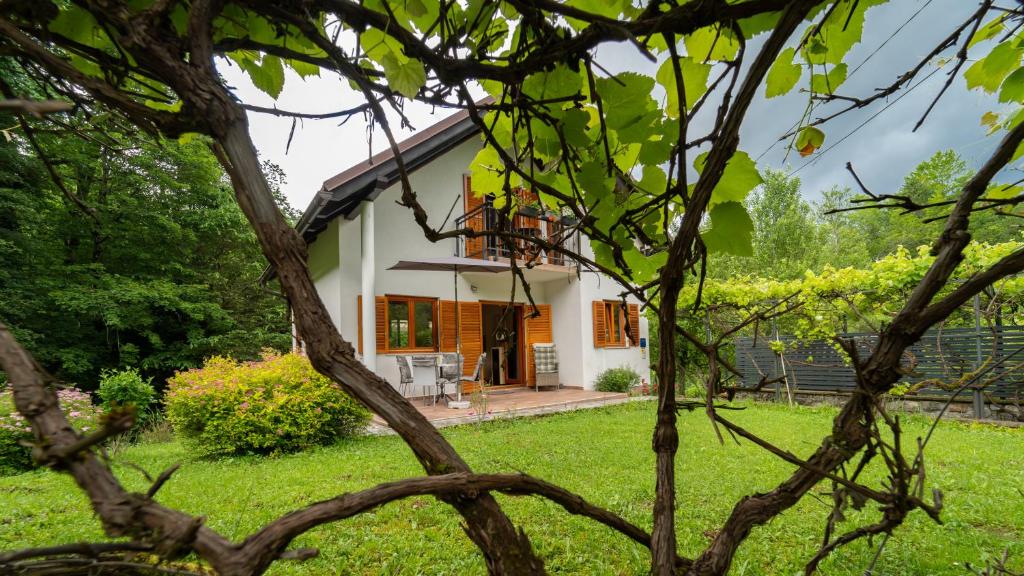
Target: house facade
{"points": [[357, 231]]}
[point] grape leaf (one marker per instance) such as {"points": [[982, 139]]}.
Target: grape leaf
{"points": [[1013, 87], [738, 179], [712, 43], [827, 83], [406, 77], [783, 75], [695, 79], [731, 231], [989, 72]]}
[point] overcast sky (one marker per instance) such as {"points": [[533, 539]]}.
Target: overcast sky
{"points": [[883, 150]]}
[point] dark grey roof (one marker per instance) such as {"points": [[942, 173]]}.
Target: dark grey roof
{"points": [[342, 193]]}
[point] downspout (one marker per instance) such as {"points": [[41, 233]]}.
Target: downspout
{"points": [[366, 227]]}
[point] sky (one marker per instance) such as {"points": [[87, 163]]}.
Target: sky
{"points": [[877, 140]]}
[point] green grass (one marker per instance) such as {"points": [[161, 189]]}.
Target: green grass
{"points": [[604, 455]]}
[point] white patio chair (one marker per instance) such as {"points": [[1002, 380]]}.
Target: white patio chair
{"points": [[545, 363]]}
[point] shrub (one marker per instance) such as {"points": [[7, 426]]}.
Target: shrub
{"points": [[126, 388], [275, 404], [619, 379], [14, 428]]}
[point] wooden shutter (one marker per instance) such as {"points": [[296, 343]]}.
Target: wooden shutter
{"points": [[538, 331], [634, 324], [474, 246], [600, 325], [446, 312], [381, 315], [471, 333]]}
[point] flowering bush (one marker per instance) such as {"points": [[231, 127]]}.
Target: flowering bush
{"points": [[275, 404], [15, 429]]}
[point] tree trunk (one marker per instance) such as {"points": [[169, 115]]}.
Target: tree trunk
{"points": [[505, 550]]}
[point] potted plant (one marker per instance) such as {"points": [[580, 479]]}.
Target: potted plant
{"points": [[530, 210], [568, 220]]}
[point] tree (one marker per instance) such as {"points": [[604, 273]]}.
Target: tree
{"points": [[134, 254], [593, 145], [785, 232]]}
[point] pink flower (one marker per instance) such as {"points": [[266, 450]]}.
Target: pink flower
{"points": [[75, 414], [244, 405]]}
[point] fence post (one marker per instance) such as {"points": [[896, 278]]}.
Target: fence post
{"points": [[979, 399], [778, 362]]}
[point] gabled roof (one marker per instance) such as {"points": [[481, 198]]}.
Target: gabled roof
{"points": [[342, 193]]}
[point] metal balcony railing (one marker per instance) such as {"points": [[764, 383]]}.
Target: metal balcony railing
{"points": [[526, 223]]}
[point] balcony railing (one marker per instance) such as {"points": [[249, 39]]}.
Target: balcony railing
{"points": [[526, 223]]}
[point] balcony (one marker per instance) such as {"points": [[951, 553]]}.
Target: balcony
{"points": [[527, 223]]}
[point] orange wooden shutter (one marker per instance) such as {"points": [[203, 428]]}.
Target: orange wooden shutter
{"points": [[447, 331], [381, 315], [600, 328], [634, 324], [471, 335], [538, 331], [474, 246]]}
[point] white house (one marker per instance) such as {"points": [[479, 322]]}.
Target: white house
{"points": [[356, 231]]}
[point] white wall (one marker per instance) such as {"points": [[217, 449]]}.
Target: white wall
{"points": [[593, 287], [327, 276], [397, 236]]}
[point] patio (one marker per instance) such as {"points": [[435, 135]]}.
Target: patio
{"points": [[510, 404]]}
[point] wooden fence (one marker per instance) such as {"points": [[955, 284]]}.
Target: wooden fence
{"points": [[941, 355]]}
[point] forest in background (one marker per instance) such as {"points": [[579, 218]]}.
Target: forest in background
{"points": [[792, 234], [132, 253]]}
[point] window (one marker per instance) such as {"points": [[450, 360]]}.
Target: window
{"points": [[412, 323], [614, 324]]}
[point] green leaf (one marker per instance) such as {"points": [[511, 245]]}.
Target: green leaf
{"points": [[783, 75], [731, 231], [988, 31], [267, 74], [839, 33], [406, 77], [574, 126], [738, 179], [1003, 191], [989, 72], [759, 24], [1013, 87], [695, 79], [654, 180], [377, 44], [593, 179], [486, 172], [827, 83], [711, 43], [75, 23], [303, 69], [626, 98], [560, 82]]}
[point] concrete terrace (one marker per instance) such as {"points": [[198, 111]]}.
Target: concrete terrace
{"points": [[511, 404]]}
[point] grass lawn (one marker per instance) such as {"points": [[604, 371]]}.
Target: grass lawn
{"points": [[603, 454]]}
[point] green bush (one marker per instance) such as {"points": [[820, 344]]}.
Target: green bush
{"points": [[277, 404], [619, 379], [126, 388], [14, 428]]}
